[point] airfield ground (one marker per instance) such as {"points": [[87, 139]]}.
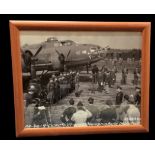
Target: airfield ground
{"points": [[99, 98]]}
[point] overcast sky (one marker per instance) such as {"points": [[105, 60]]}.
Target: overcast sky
{"points": [[121, 40]]}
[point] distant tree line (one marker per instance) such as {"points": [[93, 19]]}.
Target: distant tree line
{"points": [[124, 54]]}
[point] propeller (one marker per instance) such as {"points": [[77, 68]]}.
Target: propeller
{"points": [[38, 51], [68, 55], [57, 52], [29, 58]]}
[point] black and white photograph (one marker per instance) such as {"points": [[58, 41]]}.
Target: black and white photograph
{"points": [[81, 78]]}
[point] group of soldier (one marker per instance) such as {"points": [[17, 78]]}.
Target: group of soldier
{"points": [[106, 78], [57, 88], [126, 107], [124, 110]]}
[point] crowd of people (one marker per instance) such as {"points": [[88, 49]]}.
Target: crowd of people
{"points": [[57, 88], [106, 78], [125, 108]]}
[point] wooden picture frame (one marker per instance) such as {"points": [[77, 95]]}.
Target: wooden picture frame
{"points": [[17, 26]]}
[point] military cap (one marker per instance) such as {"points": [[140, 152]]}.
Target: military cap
{"points": [[80, 104], [126, 97], [137, 87], [90, 99], [131, 98]]}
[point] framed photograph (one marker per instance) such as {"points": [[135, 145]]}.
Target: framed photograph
{"points": [[80, 77]]}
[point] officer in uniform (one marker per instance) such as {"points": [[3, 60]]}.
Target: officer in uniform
{"points": [[135, 81], [99, 81], [107, 81], [77, 82], [137, 97], [95, 71], [124, 76], [56, 90], [119, 96], [61, 85], [71, 81], [50, 91], [113, 77]]}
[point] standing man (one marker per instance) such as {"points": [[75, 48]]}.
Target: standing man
{"points": [[119, 96], [137, 96], [81, 116], [104, 75], [124, 76], [99, 81], [77, 76], [113, 77], [95, 71], [107, 81], [50, 92], [136, 75], [57, 90], [121, 112]]}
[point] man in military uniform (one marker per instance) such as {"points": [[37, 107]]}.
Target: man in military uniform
{"points": [[64, 86], [72, 81], [34, 90], [119, 96], [95, 71], [107, 81], [124, 76], [121, 111], [104, 75], [61, 78], [68, 113], [94, 110], [108, 113], [50, 92], [40, 116], [56, 90], [132, 112], [136, 76], [113, 77], [137, 97], [81, 116], [100, 81], [77, 81]]}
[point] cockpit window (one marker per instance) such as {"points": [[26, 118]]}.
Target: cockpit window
{"points": [[93, 49], [57, 44], [67, 43], [52, 39]]}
